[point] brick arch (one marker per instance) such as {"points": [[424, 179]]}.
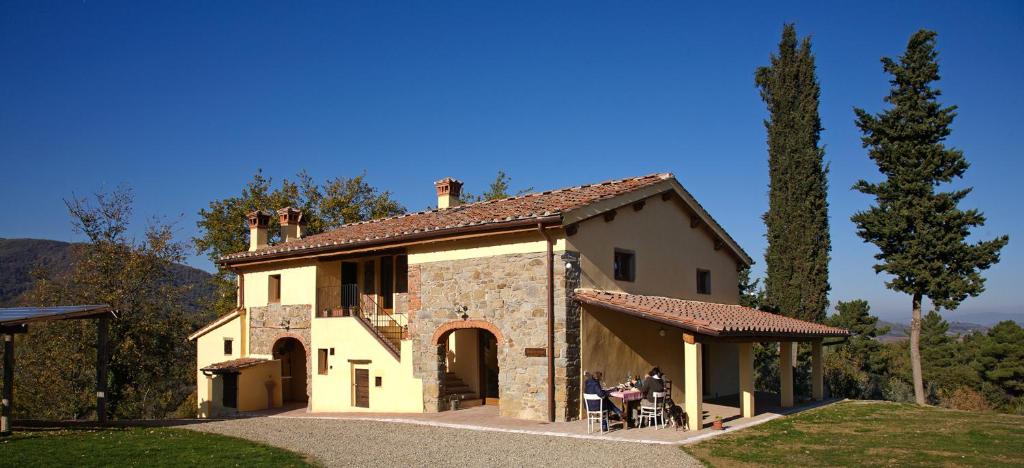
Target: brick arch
{"points": [[443, 330], [309, 362]]}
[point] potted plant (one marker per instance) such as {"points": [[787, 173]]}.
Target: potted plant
{"points": [[718, 424]]}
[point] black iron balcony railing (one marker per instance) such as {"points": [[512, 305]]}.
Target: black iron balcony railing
{"points": [[346, 301]]}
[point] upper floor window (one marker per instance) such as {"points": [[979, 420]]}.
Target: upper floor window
{"points": [[401, 274], [228, 346], [703, 282], [625, 265], [274, 289]]}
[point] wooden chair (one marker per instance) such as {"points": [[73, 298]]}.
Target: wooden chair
{"points": [[600, 416], [651, 413]]}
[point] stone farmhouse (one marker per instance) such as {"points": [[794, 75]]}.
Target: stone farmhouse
{"points": [[505, 302]]}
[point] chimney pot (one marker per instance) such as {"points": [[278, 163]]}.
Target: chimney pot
{"points": [[291, 223], [448, 192], [259, 221]]}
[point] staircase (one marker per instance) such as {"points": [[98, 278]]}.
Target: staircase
{"points": [[454, 387], [389, 328]]}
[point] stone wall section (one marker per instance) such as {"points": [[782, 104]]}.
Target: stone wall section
{"points": [[508, 292], [275, 321]]}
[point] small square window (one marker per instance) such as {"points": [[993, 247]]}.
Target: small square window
{"points": [[228, 346], [378, 381], [321, 361], [703, 282], [274, 289], [625, 265]]}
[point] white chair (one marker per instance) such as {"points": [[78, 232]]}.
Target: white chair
{"points": [[653, 412], [600, 416]]}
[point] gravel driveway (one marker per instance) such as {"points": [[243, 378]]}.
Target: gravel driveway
{"points": [[335, 442]]}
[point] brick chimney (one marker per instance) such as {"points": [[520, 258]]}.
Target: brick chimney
{"points": [[291, 223], [448, 192], [259, 222]]}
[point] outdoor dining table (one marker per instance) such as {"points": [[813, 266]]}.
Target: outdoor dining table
{"points": [[627, 396]]}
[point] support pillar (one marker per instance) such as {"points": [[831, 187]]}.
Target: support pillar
{"points": [[102, 328], [746, 372], [8, 392], [694, 392], [817, 372], [786, 374]]}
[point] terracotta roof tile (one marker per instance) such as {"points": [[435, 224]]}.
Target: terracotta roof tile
{"points": [[233, 365], [486, 213], [708, 318]]}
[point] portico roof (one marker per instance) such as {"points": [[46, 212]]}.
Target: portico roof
{"points": [[708, 318], [233, 366]]}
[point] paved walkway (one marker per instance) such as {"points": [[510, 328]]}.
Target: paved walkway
{"points": [[479, 437], [485, 418], [346, 442]]}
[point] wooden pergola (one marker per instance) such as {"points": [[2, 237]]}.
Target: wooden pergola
{"points": [[17, 319]]}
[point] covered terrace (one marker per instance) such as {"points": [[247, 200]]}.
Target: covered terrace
{"points": [[705, 349], [16, 320]]}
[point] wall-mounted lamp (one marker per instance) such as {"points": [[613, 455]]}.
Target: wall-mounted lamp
{"points": [[661, 331]]}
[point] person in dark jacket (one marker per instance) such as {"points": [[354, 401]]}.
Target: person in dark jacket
{"points": [[652, 383], [593, 386]]}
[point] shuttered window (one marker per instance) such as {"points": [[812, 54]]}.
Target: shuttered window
{"points": [[321, 361]]}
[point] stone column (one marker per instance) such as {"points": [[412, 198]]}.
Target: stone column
{"points": [[786, 374], [746, 371], [817, 372], [694, 392]]}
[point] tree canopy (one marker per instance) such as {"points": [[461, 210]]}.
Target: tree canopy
{"points": [[796, 282], [920, 232], [336, 201]]}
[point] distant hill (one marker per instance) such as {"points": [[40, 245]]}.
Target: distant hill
{"points": [[20, 257], [901, 331]]}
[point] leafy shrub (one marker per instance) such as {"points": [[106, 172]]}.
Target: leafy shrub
{"points": [[1015, 406], [897, 389], [963, 398]]}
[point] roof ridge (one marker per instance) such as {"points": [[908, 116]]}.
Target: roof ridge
{"points": [[660, 175]]}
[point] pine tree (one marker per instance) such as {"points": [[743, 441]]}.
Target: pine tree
{"points": [[938, 354], [920, 233], [797, 256]]}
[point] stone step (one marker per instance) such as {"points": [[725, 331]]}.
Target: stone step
{"points": [[462, 395]]}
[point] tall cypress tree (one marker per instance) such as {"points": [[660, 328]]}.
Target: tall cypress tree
{"points": [[921, 233], [797, 219]]}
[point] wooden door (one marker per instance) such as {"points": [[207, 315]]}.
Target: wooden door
{"points": [[230, 390], [362, 388]]}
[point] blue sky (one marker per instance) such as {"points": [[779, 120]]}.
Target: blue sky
{"points": [[183, 101]]}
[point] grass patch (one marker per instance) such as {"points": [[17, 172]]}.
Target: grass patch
{"points": [[138, 447], [872, 433]]}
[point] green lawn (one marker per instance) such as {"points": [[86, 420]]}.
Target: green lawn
{"points": [[872, 433], [138, 447]]}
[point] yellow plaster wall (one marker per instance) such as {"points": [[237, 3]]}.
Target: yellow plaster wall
{"points": [[668, 253], [252, 386], [210, 350], [617, 344], [298, 283], [527, 242], [400, 391]]}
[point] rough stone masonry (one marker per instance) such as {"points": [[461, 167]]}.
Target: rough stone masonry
{"points": [[508, 292]]}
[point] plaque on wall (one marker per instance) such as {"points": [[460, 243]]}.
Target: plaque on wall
{"points": [[536, 352]]}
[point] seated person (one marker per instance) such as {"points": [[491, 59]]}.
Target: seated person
{"points": [[593, 386], [652, 383]]}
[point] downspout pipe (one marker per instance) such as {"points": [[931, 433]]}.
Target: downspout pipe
{"points": [[551, 321]]}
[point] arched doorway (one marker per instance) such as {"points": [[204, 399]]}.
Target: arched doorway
{"points": [[469, 368], [292, 355]]}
